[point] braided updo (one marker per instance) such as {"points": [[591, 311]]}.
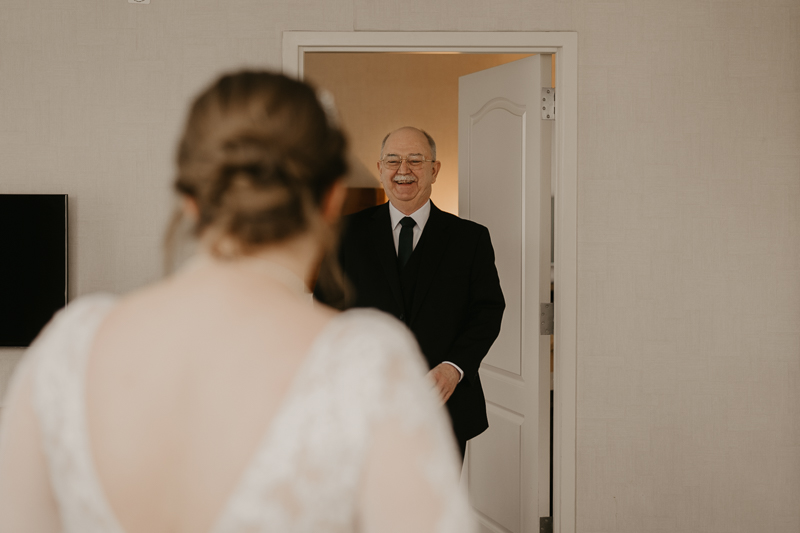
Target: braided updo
{"points": [[257, 156]]}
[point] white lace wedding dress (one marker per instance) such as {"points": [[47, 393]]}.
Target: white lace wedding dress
{"points": [[307, 473]]}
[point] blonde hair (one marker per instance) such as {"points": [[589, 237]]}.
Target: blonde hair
{"points": [[257, 156]]}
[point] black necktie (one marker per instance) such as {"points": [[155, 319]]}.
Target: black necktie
{"points": [[406, 240]]}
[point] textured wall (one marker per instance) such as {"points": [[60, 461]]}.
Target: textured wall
{"points": [[689, 210], [689, 267]]}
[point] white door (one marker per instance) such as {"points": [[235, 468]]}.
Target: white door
{"points": [[502, 186]]}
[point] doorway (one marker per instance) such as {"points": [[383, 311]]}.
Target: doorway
{"points": [[296, 47], [507, 468]]}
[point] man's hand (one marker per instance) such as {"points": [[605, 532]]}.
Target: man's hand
{"points": [[445, 377]]}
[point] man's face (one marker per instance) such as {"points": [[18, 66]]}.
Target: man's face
{"points": [[408, 188]]}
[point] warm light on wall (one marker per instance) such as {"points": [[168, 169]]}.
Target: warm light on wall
{"points": [[380, 92]]}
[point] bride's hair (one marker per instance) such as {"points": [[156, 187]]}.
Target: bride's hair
{"points": [[258, 153]]}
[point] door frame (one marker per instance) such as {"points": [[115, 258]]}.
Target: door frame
{"points": [[565, 162]]}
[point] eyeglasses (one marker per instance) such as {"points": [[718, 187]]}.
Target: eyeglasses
{"points": [[413, 161]]}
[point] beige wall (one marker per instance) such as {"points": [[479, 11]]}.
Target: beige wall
{"points": [[689, 210], [378, 93]]}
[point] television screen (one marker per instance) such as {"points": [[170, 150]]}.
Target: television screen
{"points": [[33, 264]]}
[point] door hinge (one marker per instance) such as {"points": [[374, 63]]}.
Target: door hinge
{"points": [[545, 524], [548, 103], [546, 320]]}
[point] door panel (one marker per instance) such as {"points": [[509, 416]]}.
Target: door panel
{"points": [[500, 186], [498, 495], [496, 156]]}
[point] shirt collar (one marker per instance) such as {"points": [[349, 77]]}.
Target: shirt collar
{"points": [[420, 216]]}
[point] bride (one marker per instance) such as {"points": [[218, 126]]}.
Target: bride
{"points": [[220, 399]]}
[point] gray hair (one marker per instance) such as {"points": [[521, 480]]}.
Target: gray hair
{"points": [[431, 142]]}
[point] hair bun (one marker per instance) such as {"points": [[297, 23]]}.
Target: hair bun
{"points": [[259, 152]]}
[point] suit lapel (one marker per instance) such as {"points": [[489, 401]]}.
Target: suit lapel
{"points": [[383, 244], [431, 249]]}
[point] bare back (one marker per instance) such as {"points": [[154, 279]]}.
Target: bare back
{"points": [[183, 380]]}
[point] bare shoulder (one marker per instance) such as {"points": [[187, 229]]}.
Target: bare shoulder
{"points": [[205, 304]]}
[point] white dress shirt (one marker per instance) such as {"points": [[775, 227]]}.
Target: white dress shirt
{"points": [[420, 216]]}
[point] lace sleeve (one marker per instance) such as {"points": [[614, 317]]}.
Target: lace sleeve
{"points": [[412, 466], [28, 500]]}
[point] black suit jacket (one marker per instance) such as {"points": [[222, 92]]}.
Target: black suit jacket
{"points": [[457, 303]]}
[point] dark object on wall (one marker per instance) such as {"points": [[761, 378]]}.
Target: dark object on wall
{"points": [[33, 264], [362, 198]]}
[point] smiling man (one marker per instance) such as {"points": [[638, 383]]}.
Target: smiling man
{"points": [[408, 169], [430, 269]]}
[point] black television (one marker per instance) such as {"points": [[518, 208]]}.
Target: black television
{"points": [[33, 264]]}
